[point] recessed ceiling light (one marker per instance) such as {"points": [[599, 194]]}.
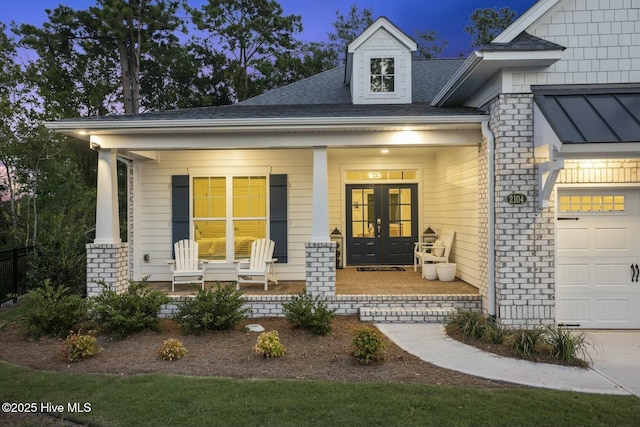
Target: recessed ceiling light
{"points": [[384, 151]]}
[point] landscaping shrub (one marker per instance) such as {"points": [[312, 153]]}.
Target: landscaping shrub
{"points": [[566, 345], [493, 332], [555, 341], [132, 311], [172, 349], [269, 345], [307, 312], [53, 311], [368, 344], [217, 309], [77, 347], [469, 323], [526, 342]]}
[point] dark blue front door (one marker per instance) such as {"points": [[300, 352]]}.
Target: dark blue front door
{"points": [[381, 223]]}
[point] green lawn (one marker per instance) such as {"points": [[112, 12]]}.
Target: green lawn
{"points": [[162, 400]]}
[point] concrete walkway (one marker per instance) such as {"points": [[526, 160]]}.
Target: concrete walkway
{"points": [[615, 369]]}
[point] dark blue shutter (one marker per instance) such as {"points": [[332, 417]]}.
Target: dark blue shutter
{"points": [[278, 215], [179, 208]]}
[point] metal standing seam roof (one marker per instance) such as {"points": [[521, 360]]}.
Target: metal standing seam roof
{"points": [[581, 114]]}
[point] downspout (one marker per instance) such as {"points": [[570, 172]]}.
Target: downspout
{"points": [[491, 275]]}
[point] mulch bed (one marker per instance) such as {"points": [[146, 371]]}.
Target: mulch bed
{"points": [[231, 354]]}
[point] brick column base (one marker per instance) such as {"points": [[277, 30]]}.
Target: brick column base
{"points": [[321, 268], [108, 263]]}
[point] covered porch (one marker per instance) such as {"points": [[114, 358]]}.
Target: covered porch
{"points": [[384, 297], [349, 281]]}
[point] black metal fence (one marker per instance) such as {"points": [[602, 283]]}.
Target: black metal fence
{"points": [[14, 264]]}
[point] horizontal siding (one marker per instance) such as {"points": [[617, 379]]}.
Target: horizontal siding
{"points": [[451, 202], [448, 199], [153, 233], [341, 161]]}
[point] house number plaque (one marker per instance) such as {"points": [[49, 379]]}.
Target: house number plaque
{"points": [[516, 199]]}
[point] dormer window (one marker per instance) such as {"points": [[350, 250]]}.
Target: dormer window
{"points": [[378, 68], [382, 75]]}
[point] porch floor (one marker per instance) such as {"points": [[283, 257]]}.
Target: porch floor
{"points": [[350, 281]]}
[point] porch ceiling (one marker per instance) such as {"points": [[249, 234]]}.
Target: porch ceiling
{"points": [[85, 130], [377, 136]]}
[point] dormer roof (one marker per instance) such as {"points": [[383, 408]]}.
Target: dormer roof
{"points": [[384, 23]]}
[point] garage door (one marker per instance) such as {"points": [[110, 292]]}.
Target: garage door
{"points": [[598, 258]]}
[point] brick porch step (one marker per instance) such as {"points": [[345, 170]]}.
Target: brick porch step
{"points": [[405, 315]]}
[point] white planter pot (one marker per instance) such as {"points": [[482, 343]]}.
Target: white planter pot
{"points": [[429, 271], [446, 271]]}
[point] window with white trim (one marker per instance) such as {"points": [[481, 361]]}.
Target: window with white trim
{"points": [[228, 209], [382, 74]]}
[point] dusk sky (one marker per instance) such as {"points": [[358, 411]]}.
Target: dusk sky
{"points": [[447, 17]]}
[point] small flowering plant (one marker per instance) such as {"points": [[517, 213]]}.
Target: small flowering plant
{"points": [[78, 346], [269, 345], [172, 349], [368, 344]]}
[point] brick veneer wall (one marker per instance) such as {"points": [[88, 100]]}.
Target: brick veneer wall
{"points": [[321, 268], [271, 305], [525, 234], [483, 223], [616, 171], [108, 263]]}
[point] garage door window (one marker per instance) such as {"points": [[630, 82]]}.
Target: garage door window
{"points": [[592, 203]]}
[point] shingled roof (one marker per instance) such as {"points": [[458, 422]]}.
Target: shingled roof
{"points": [[428, 77], [323, 95], [523, 42]]}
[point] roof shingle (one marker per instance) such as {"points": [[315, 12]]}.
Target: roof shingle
{"points": [[523, 42]]}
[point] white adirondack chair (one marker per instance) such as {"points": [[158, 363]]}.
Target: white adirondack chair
{"points": [[186, 268], [434, 253], [258, 268]]}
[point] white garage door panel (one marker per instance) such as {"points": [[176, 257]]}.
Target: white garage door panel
{"points": [[573, 274], [612, 274], [573, 239], [612, 310], [594, 287], [573, 311], [607, 239]]}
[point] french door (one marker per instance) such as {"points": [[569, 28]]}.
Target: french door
{"points": [[382, 224]]}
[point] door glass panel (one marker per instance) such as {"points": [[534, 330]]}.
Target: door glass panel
{"points": [[362, 212], [399, 212], [394, 212]]}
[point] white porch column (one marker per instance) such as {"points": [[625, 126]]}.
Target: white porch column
{"points": [[320, 214], [107, 219], [107, 256], [320, 253]]}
